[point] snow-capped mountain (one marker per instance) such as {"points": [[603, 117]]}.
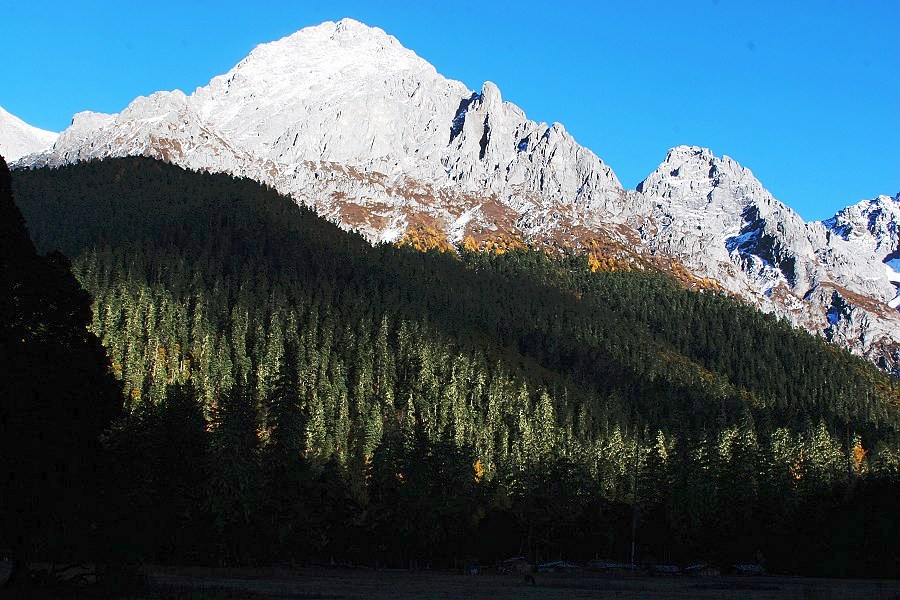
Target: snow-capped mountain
{"points": [[343, 118], [18, 138]]}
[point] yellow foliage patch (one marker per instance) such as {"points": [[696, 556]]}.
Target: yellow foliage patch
{"points": [[500, 244], [857, 455], [605, 256], [424, 238], [503, 244], [478, 468], [689, 280]]}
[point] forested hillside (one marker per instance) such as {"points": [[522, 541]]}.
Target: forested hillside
{"points": [[294, 392]]}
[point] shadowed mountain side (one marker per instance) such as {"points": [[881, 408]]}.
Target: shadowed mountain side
{"points": [[422, 402]]}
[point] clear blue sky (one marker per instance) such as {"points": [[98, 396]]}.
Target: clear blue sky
{"points": [[806, 94]]}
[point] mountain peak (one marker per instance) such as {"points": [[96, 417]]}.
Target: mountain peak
{"points": [[348, 24], [695, 169], [329, 49], [18, 138], [336, 71], [342, 117], [346, 32], [685, 152], [699, 157], [877, 219]]}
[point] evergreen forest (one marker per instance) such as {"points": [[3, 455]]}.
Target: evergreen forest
{"points": [[275, 389]]}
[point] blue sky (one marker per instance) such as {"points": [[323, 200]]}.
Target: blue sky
{"points": [[805, 94]]}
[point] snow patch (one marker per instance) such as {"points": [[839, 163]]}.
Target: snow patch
{"points": [[18, 138], [892, 269], [458, 228]]}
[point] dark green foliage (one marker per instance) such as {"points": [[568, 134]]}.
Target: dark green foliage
{"points": [[156, 457], [351, 395], [234, 480]]}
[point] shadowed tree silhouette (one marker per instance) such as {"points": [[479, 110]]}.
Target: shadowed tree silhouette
{"points": [[57, 397]]}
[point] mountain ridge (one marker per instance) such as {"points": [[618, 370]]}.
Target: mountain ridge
{"points": [[344, 119], [18, 138]]}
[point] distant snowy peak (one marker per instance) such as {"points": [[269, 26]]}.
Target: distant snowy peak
{"points": [[347, 48], [872, 227], [694, 176], [838, 278], [18, 138]]}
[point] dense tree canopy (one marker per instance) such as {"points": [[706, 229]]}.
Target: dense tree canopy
{"points": [[288, 382]]}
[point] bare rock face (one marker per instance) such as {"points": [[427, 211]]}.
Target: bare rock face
{"points": [[834, 277], [345, 119], [872, 226]]}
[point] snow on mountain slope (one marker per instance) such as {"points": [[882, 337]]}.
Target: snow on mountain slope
{"points": [[18, 138], [345, 119], [334, 93]]}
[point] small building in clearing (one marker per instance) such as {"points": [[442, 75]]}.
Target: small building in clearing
{"points": [[748, 569], [613, 568]]}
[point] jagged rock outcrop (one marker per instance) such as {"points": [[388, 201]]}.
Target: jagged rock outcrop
{"points": [[345, 119], [830, 277]]}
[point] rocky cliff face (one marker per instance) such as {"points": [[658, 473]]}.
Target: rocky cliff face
{"points": [[345, 119], [834, 277]]}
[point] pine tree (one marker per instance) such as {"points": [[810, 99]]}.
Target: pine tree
{"points": [[233, 486]]}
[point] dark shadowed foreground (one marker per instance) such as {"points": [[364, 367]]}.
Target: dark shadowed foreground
{"points": [[372, 584]]}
